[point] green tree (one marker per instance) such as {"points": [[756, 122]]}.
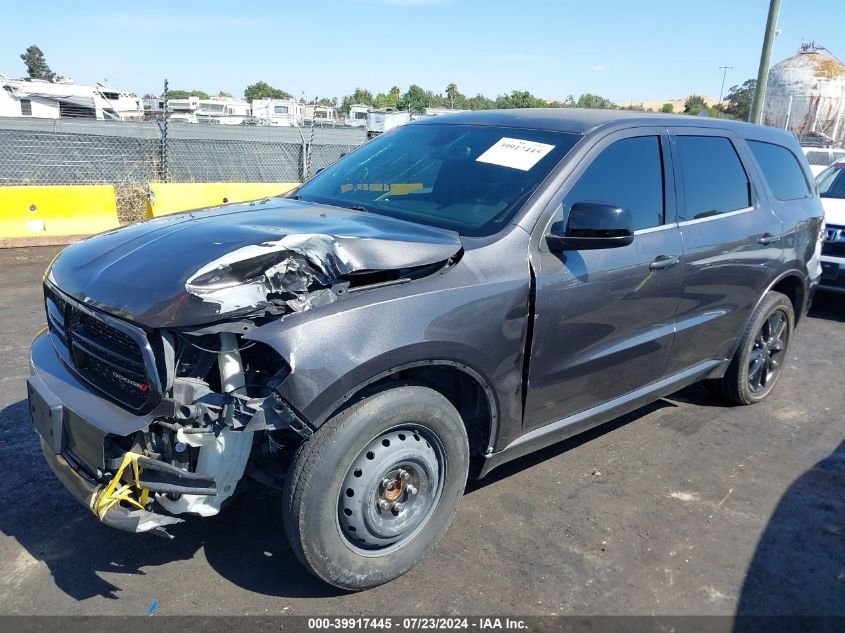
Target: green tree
{"points": [[519, 99], [570, 102], [739, 100], [360, 96], [695, 104], [389, 99], [452, 94], [184, 94], [36, 65], [328, 102], [415, 99], [263, 90], [225, 95], [667, 108], [594, 101], [479, 102]]}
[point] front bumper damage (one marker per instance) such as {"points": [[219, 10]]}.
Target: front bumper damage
{"points": [[129, 488]]}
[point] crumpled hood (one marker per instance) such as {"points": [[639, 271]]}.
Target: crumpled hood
{"points": [[196, 267]]}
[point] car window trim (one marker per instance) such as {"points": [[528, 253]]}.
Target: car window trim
{"points": [[747, 164], [670, 192]]}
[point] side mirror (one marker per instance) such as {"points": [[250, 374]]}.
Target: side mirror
{"points": [[592, 225]]}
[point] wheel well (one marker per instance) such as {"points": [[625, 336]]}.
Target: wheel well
{"points": [[793, 287], [464, 391]]}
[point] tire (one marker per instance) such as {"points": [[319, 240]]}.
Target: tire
{"points": [[405, 446], [759, 359]]}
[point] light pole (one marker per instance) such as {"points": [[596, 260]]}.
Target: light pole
{"points": [[724, 70], [765, 59]]}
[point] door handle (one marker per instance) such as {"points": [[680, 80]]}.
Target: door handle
{"points": [[663, 262], [767, 238]]}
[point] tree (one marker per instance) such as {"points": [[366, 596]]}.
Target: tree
{"points": [[739, 100], [415, 99], [389, 100], [519, 99], [328, 102], [695, 104], [225, 95], [184, 94], [263, 90], [36, 65], [452, 94], [360, 96], [668, 108], [594, 101]]}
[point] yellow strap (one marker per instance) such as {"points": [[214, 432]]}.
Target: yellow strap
{"points": [[115, 491]]}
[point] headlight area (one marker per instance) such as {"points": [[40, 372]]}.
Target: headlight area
{"points": [[219, 409]]}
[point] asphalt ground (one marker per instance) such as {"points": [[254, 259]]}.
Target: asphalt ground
{"points": [[683, 507]]}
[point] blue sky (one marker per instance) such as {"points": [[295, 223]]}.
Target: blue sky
{"points": [[626, 50]]}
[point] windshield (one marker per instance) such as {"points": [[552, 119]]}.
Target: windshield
{"points": [[831, 182], [470, 179]]}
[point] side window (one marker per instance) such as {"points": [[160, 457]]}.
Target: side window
{"points": [[628, 173], [26, 107], [781, 169], [714, 179]]}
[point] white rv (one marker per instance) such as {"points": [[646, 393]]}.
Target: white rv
{"points": [[357, 115], [64, 99], [183, 110], [320, 115], [380, 121], [278, 112], [223, 111]]}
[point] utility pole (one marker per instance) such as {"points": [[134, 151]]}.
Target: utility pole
{"points": [[765, 59], [724, 70]]}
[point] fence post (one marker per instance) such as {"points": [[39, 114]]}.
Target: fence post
{"points": [[163, 160]]}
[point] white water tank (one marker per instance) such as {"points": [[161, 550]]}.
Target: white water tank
{"points": [[806, 93]]}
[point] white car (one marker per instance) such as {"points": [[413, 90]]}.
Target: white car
{"points": [[820, 158], [831, 186]]}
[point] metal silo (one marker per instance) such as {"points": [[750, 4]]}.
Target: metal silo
{"points": [[806, 94]]}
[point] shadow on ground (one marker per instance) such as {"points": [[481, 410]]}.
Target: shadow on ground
{"points": [[245, 544], [799, 564], [829, 306]]}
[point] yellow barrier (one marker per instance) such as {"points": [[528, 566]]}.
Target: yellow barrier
{"points": [[166, 198], [56, 211]]}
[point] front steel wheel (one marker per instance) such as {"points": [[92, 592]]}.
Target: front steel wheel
{"points": [[391, 489], [375, 488]]}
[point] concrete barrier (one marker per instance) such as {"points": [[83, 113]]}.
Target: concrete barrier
{"points": [[166, 198], [55, 214]]}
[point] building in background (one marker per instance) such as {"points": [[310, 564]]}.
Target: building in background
{"points": [[278, 112], [64, 99], [806, 95]]}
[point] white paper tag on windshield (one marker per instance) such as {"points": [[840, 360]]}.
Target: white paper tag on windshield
{"points": [[515, 153]]}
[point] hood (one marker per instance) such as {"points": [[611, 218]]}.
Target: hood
{"points": [[275, 256], [834, 211]]}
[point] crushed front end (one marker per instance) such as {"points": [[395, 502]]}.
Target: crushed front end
{"points": [[141, 425]]}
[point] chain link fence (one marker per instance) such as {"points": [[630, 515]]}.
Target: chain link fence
{"points": [[131, 155]]}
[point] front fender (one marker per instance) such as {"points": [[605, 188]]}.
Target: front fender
{"points": [[466, 317]]}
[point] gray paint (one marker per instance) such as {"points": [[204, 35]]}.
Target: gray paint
{"points": [[604, 324]]}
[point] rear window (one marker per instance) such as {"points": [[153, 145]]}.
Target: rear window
{"points": [[781, 169], [714, 179]]}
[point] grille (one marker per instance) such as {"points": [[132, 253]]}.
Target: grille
{"points": [[108, 354], [834, 249]]}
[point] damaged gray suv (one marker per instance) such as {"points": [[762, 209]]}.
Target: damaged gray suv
{"points": [[452, 295]]}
